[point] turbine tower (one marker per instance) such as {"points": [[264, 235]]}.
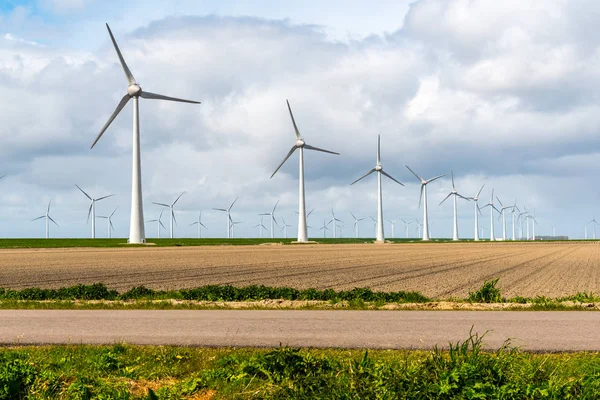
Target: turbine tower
{"points": [[393, 223], [158, 223], [172, 218], [406, 224], [261, 227], [503, 216], [301, 145], [109, 222], [492, 208], [512, 214], [454, 193], [229, 220], [47, 216], [477, 212], [200, 225], [324, 228], [134, 91], [273, 220], [379, 169], [423, 198], [334, 220], [284, 227], [356, 221], [92, 209]]}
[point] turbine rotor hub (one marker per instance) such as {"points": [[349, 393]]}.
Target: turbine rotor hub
{"points": [[299, 143], [378, 168], [134, 90]]}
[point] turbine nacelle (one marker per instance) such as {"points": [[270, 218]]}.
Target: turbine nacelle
{"points": [[300, 143], [134, 90], [378, 168]]}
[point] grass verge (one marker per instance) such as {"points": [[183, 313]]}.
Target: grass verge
{"points": [[465, 371]]}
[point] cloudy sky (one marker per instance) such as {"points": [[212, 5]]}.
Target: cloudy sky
{"points": [[503, 93]]}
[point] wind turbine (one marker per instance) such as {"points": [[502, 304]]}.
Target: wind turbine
{"points": [[301, 145], [477, 212], [334, 220], [232, 226], [492, 208], [406, 224], [284, 227], [594, 226], [512, 214], [109, 222], [172, 217], [454, 193], [272, 215], [200, 225], [47, 216], [261, 227], [423, 198], [533, 224], [229, 220], [419, 227], [324, 228], [92, 209], [521, 223], [393, 222], [134, 91], [356, 221], [379, 169], [503, 216], [158, 223]]}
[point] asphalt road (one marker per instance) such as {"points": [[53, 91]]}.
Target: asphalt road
{"points": [[539, 331]]}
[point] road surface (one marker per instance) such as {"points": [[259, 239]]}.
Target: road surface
{"points": [[537, 331]]}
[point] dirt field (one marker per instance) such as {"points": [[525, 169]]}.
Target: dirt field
{"points": [[437, 270]]}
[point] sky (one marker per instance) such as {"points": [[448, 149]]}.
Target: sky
{"points": [[501, 93]]}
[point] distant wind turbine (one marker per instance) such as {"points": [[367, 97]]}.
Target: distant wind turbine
{"points": [[379, 169], [229, 220], [324, 228], [477, 212], [492, 208], [423, 198], [284, 227], [300, 145], [454, 193], [109, 222], [594, 223], [92, 209], [334, 220], [172, 216], [261, 226], [200, 225], [46, 216], [356, 221], [272, 218], [406, 225], [158, 223], [134, 91], [512, 214], [503, 216]]}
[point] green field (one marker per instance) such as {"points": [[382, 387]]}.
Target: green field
{"points": [[149, 372]]}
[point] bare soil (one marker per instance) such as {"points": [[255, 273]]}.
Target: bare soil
{"points": [[438, 270]]}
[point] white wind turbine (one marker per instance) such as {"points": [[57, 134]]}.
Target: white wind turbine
{"points": [[423, 198], [503, 216], [172, 216], [492, 208], [356, 221], [300, 145], [477, 212], [92, 209], [334, 220], [454, 193], [284, 227], [46, 216], [200, 225], [512, 214], [158, 223], [272, 215], [520, 221], [324, 228], [229, 220], [134, 91], [594, 223], [109, 222], [261, 226], [379, 169], [393, 223], [419, 227], [406, 224]]}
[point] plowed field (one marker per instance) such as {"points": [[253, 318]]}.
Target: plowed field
{"points": [[437, 270]]}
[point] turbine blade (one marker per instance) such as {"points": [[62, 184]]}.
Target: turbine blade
{"points": [[311, 211], [501, 205], [152, 220], [105, 197], [421, 196], [274, 220], [478, 193], [50, 218], [86, 195], [298, 135], [231, 206], [285, 159], [306, 146], [155, 96], [48, 212], [173, 214], [90, 211], [161, 224], [353, 216], [364, 176], [445, 198], [177, 199], [414, 173], [389, 176], [495, 208], [463, 197], [120, 106], [111, 224], [201, 224], [452, 174], [113, 213], [217, 209], [166, 205], [273, 212], [192, 224], [378, 149], [35, 219], [128, 73], [437, 177]]}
